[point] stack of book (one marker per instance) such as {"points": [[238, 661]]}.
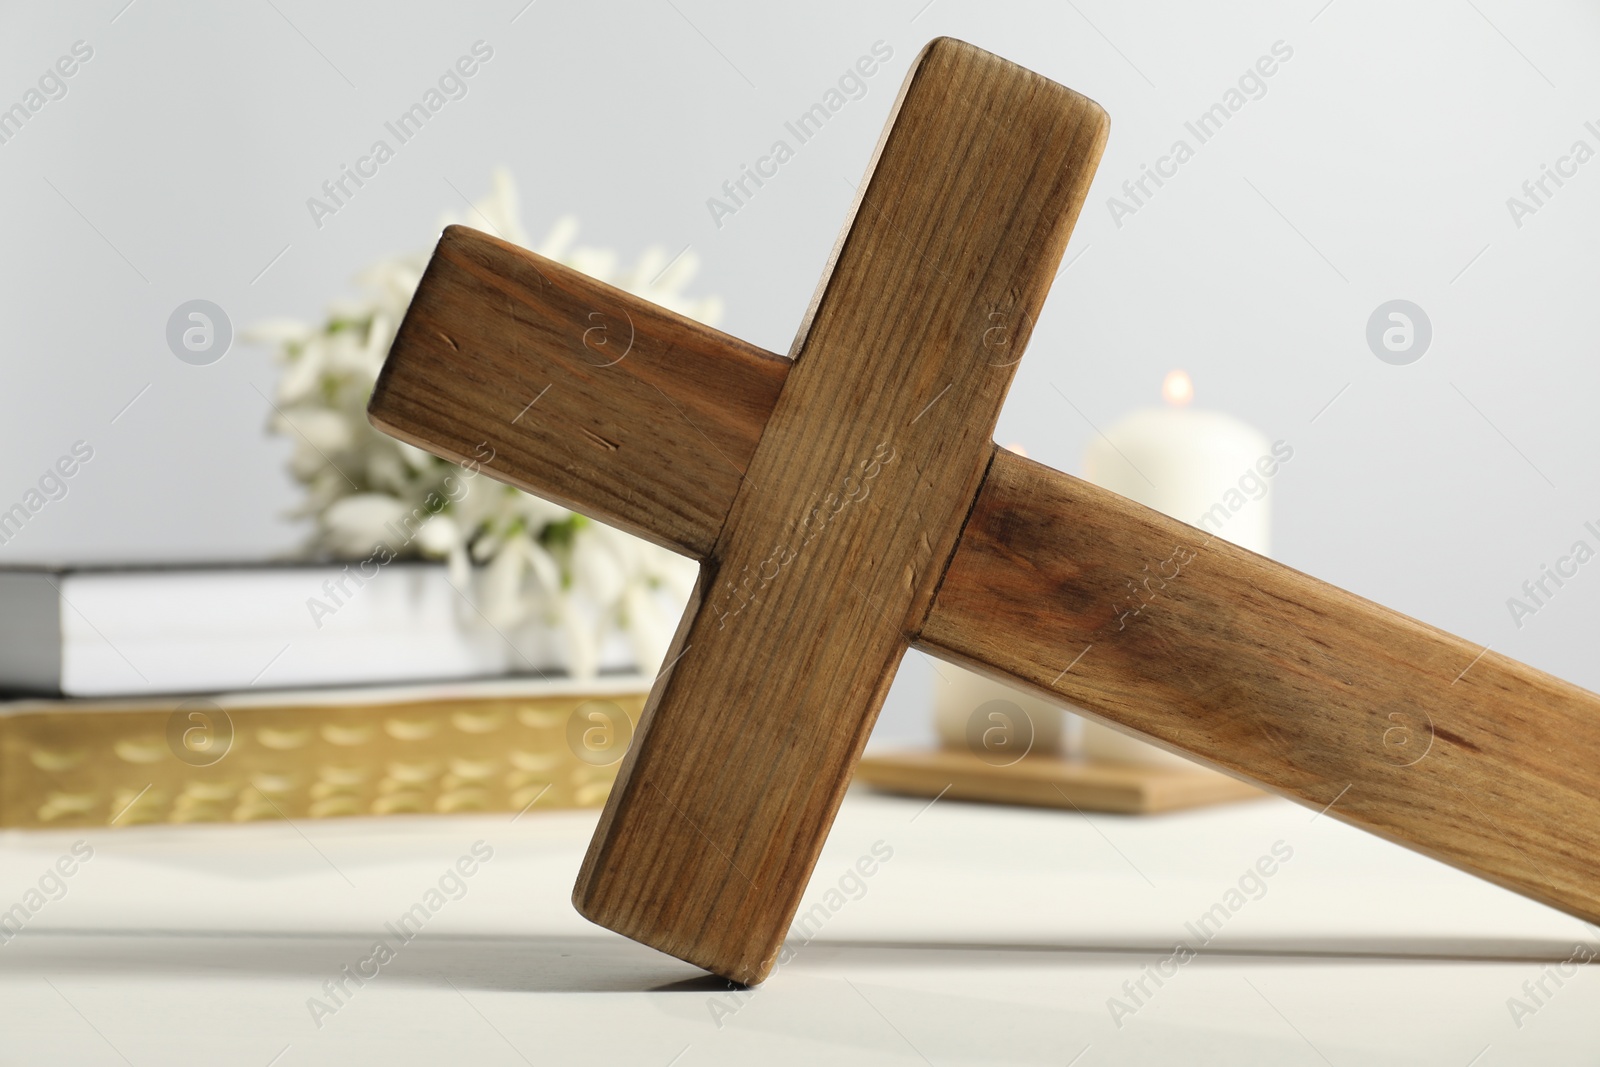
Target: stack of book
{"points": [[232, 694]]}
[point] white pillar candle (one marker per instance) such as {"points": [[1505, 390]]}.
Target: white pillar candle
{"points": [[1203, 467], [995, 722]]}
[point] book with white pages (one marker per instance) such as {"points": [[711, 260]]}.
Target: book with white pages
{"points": [[91, 631]]}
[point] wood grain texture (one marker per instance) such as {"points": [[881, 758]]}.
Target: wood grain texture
{"points": [[1278, 679], [826, 499], [1049, 782], [850, 509], [618, 387]]}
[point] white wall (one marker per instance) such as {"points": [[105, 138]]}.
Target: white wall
{"points": [[1376, 166]]}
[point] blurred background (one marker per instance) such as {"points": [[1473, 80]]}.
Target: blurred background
{"points": [[1376, 163]]}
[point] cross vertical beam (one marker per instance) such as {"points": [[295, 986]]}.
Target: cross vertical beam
{"points": [[847, 515]]}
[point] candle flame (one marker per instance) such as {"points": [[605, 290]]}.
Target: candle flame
{"points": [[1016, 446], [1177, 388]]}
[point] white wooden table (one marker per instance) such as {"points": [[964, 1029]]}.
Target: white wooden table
{"points": [[990, 935]]}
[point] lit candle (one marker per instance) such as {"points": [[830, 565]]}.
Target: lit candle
{"points": [[1203, 467]]}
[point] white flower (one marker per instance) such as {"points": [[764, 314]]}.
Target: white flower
{"points": [[276, 332], [356, 523], [650, 631], [439, 536], [323, 430], [538, 562], [597, 571], [582, 644]]}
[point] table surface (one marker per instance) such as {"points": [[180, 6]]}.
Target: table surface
{"points": [[982, 934]]}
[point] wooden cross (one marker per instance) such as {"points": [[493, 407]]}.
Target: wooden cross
{"points": [[848, 502]]}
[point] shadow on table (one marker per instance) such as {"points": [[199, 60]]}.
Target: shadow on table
{"points": [[609, 964]]}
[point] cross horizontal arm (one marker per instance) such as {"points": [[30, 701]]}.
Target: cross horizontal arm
{"points": [[1277, 678], [1272, 676], [576, 391]]}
